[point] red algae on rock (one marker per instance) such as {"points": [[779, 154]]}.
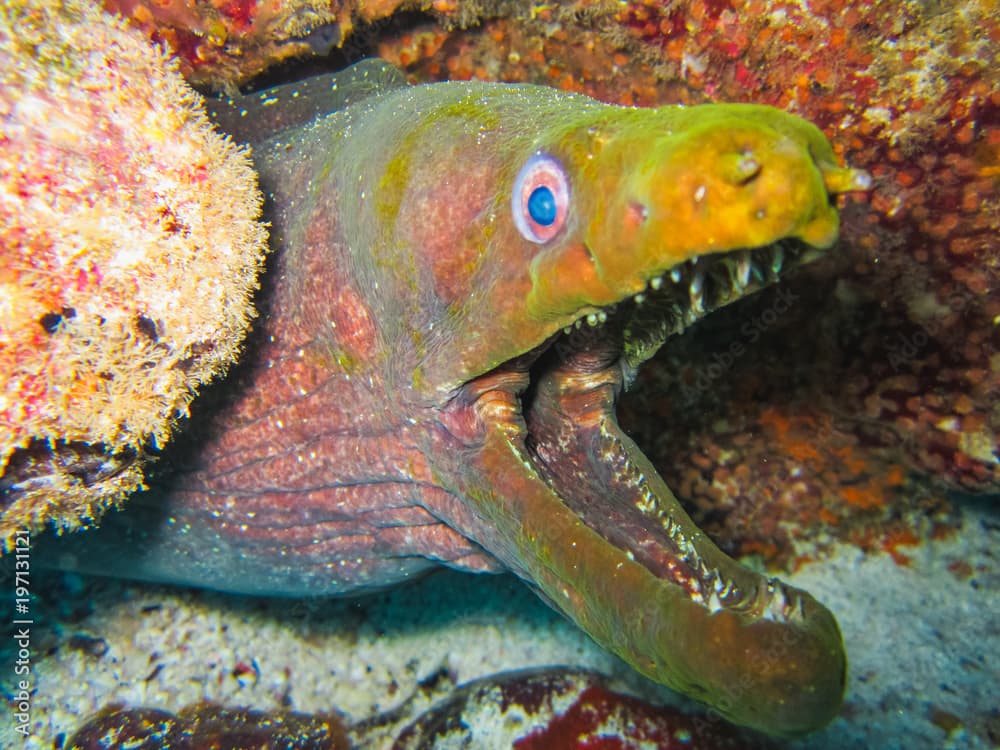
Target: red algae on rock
{"points": [[227, 42], [130, 248], [232, 40], [567, 709]]}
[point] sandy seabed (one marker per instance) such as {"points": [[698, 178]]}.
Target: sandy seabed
{"points": [[923, 642]]}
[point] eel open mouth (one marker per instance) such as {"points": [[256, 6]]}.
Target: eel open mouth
{"points": [[614, 549], [574, 440]]}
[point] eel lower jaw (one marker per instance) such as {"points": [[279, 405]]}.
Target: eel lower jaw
{"points": [[614, 549], [742, 625]]}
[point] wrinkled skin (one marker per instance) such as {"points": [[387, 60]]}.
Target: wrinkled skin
{"points": [[420, 389]]}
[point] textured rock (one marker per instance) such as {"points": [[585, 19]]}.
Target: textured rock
{"points": [[207, 727], [567, 709]]}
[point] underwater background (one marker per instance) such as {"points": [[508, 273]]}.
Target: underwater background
{"points": [[849, 443]]}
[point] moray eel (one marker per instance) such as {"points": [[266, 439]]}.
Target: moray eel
{"points": [[465, 276]]}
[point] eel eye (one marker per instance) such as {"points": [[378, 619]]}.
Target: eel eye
{"points": [[540, 199]]}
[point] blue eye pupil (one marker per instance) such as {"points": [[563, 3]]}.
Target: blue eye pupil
{"points": [[542, 206]]}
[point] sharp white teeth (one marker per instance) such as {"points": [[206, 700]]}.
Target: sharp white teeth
{"points": [[714, 604], [697, 302], [568, 330], [595, 319], [695, 290], [675, 275], [592, 319], [656, 283], [640, 298], [697, 283], [743, 268], [777, 260], [579, 323]]}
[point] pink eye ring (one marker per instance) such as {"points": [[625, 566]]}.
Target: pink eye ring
{"points": [[540, 198]]}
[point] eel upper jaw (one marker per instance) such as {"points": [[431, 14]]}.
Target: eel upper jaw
{"points": [[555, 409], [676, 298]]}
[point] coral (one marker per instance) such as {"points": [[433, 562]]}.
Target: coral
{"points": [[885, 371], [130, 249]]}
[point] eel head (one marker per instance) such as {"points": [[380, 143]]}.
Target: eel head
{"points": [[617, 233]]}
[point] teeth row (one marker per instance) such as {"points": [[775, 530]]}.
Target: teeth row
{"points": [[741, 272], [593, 320]]}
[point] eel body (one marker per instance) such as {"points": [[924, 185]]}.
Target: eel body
{"points": [[464, 278]]}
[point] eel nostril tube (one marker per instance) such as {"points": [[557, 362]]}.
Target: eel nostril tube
{"points": [[748, 168], [741, 168], [845, 180]]}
